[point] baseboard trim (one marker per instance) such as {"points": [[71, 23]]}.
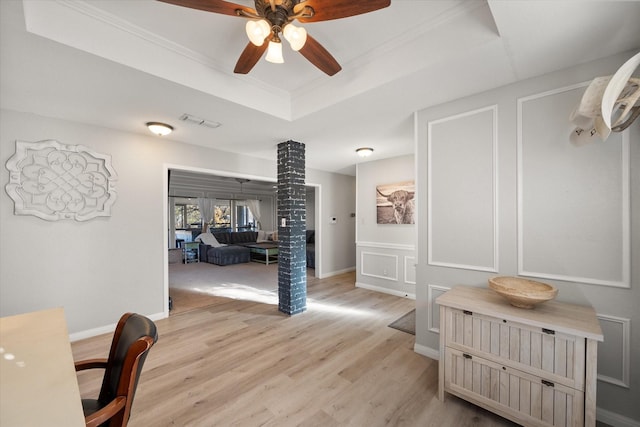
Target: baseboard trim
{"points": [[337, 272], [615, 420], [89, 333], [385, 290], [426, 351], [108, 329]]}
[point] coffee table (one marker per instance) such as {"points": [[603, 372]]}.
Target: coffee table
{"points": [[266, 253]]}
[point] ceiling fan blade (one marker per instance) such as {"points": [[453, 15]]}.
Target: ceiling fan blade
{"points": [[215, 6], [326, 10], [249, 57], [319, 56]]}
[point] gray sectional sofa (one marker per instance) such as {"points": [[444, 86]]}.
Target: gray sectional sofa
{"points": [[235, 253]]}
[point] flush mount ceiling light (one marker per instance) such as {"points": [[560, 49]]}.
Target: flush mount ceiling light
{"points": [[270, 18], [364, 151], [160, 129]]}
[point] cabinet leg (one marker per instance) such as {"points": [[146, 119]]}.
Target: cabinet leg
{"points": [[590, 383]]}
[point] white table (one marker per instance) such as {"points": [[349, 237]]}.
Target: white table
{"points": [[38, 383]]}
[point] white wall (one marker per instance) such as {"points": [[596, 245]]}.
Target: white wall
{"points": [[385, 252], [501, 191], [101, 268]]}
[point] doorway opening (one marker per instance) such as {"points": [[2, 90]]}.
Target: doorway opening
{"points": [[184, 185]]}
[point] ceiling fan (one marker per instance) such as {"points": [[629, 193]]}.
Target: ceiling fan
{"points": [[272, 17]]}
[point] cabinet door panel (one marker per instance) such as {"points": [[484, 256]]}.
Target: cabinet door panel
{"points": [[513, 393], [549, 354]]}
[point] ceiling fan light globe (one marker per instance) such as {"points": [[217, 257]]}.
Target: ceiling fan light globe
{"points": [[257, 31], [274, 53], [296, 36]]}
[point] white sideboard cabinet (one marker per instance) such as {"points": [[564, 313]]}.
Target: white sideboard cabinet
{"points": [[535, 367]]}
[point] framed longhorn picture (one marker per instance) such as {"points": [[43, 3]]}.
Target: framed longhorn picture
{"points": [[395, 203]]}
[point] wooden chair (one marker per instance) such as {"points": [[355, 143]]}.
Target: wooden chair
{"points": [[132, 339]]}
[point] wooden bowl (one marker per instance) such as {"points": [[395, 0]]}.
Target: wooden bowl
{"points": [[523, 293]]}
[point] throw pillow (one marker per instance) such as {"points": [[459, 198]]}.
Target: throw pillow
{"points": [[208, 239], [262, 236]]}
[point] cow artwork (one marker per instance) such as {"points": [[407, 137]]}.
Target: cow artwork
{"points": [[395, 203]]}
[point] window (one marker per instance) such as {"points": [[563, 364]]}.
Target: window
{"points": [[244, 218], [233, 215], [187, 216], [228, 215], [222, 215]]}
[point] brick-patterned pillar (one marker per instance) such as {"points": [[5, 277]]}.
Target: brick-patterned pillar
{"points": [[292, 197]]}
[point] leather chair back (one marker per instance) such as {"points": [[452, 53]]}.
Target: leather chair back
{"points": [[126, 339]]}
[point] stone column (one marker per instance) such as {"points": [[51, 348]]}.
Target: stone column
{"points": [[292, 255]]}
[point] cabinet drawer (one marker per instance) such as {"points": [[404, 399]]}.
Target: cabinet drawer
{"points": [[542, 352], [524, 398]]}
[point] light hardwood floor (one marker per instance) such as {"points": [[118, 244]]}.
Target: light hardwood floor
{"points": [[243, 363]]}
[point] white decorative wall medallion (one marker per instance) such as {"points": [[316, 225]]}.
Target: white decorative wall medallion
{"points": [[54, 181]]}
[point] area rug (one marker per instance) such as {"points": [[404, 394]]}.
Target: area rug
{"points": [[406, 323], [209, 278], [247, 281]]}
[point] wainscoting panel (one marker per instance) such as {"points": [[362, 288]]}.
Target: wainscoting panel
{"points": [[614, 352], [462, 191], [388, 268], [576, 197], [381, 266], [433, 321], [410, 270]]}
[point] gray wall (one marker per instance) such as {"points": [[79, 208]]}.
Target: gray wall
{"points": [[101, 268], [385, 252], [501, 191], [335, 198], [267, 213], [311, 208]]}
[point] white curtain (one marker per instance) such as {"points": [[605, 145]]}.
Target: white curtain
{"points": [[254, 207], [207, 207]]}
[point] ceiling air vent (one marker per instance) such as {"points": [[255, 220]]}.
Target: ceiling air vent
{"points": [[199, 121]]}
